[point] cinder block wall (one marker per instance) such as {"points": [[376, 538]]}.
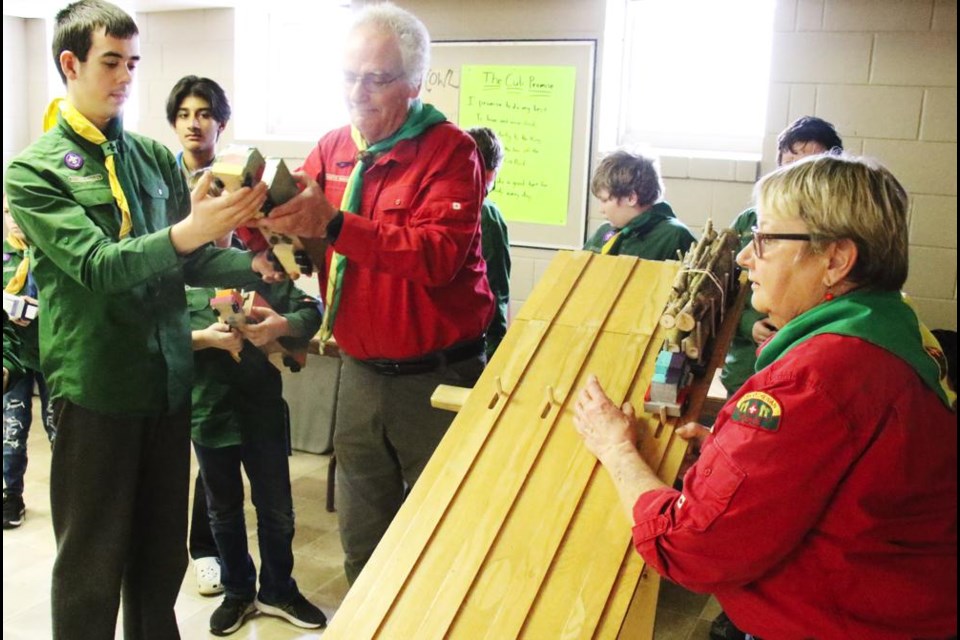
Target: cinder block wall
{"points": [[884, 71]]}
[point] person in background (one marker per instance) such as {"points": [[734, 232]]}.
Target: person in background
{"points": [[639, 223], [804, 137], [21, 342], [239, 421], [116, 236], [824, 502], [198, 111], [496, 240], [390, 211]]}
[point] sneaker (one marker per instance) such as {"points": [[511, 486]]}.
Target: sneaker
{"points": [[722, 628], [13, 511], [230, 615], [208, 576], [297, 611]]}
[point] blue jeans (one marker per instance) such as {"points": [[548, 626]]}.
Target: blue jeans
{"points": [[17, 417], [266, 466]]}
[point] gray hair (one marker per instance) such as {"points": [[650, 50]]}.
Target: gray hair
{"points": [[411, 34]]}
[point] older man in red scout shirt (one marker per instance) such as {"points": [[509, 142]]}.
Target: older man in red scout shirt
{"points": [[397, 196]]}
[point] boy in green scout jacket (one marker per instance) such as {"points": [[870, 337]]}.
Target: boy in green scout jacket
{"points": [[238, 422], [495, 240], [117, 236], [639, 223], [20, 342]]}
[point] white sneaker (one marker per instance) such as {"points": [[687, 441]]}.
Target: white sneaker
{"points": [[208, 576]]}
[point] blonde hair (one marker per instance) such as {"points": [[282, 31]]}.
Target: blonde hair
{"points": [[845, 197]]}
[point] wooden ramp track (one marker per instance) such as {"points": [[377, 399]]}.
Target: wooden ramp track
{"points": [[514, 530]]}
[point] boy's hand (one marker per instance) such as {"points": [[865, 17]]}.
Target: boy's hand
{"points": [[218, 336], [212, 217], [266, 326]]}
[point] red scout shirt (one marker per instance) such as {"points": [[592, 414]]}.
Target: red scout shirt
{"points": [[824, 505], [415, 281]]}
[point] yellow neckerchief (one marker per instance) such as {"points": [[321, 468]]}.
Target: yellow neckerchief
{"points": [[608, 245], [335, 273], [19, 278], [89, 132]]}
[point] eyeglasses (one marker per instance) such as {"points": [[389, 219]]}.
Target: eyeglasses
{"points": [[760, 238], [371, 82]]}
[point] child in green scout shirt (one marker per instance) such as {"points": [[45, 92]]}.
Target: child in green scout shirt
{"points": [[117, 236], [198, 111], [238, 421], [639, 223], [20, 343], [494, 237]]}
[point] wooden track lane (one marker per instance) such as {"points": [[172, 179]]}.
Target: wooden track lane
{"points": [[376, 589]]}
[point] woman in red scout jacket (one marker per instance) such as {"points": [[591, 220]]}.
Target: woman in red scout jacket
{"points": [[824, 503]]}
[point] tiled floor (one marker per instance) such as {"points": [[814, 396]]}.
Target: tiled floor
{"points": [[28, 558]]}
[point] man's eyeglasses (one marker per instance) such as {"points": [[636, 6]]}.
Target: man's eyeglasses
{"points": [[760, 238], [371, 82]]}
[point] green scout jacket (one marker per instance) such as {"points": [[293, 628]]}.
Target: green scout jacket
{"points": [[25, 348], [238, 402], [742, 353], [655, 235], [496, 253], [114, 333]]}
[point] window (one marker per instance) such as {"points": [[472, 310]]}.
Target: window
{"points": [[289, 73], [695, 75]]}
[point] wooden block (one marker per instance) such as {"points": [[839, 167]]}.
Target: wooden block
{"points": [[449, 397]]}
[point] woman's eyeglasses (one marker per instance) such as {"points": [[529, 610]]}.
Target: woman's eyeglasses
{"points": [[760, 238]]}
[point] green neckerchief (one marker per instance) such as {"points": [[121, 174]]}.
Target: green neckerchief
{"points": [[420, 117], [882, 318], [638, 227]]}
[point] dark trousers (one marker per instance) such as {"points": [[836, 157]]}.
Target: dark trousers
{"points": [[202, 544], [265, 463], [118, 499], [385, 433]]}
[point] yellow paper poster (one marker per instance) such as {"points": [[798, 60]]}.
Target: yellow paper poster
{"points": [[531, 110]]}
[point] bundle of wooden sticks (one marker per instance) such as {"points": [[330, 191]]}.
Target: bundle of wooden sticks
{"points": [[702, 290]]}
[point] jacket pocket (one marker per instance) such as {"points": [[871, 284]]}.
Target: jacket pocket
{"points": [[709, 487]]}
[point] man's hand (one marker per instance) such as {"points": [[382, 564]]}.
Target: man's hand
{"points": [[305, 215], [605, 429], [268, 268], [212, 217], [763, 329], [23, 322], [266, 326], [218, 336]]}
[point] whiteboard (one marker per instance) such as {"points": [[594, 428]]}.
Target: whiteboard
{"points": [[557, 221]]}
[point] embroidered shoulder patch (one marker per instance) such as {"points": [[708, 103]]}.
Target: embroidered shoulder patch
{"points": [[759, 410]]}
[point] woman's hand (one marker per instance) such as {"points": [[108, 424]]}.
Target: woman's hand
{"points": [[266, 326], [605, 429]]}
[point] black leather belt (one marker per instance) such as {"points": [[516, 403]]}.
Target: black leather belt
{"points": [[429, 362]]}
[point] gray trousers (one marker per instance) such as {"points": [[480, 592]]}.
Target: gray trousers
{"points": [[118, 500], [385, 432]]}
